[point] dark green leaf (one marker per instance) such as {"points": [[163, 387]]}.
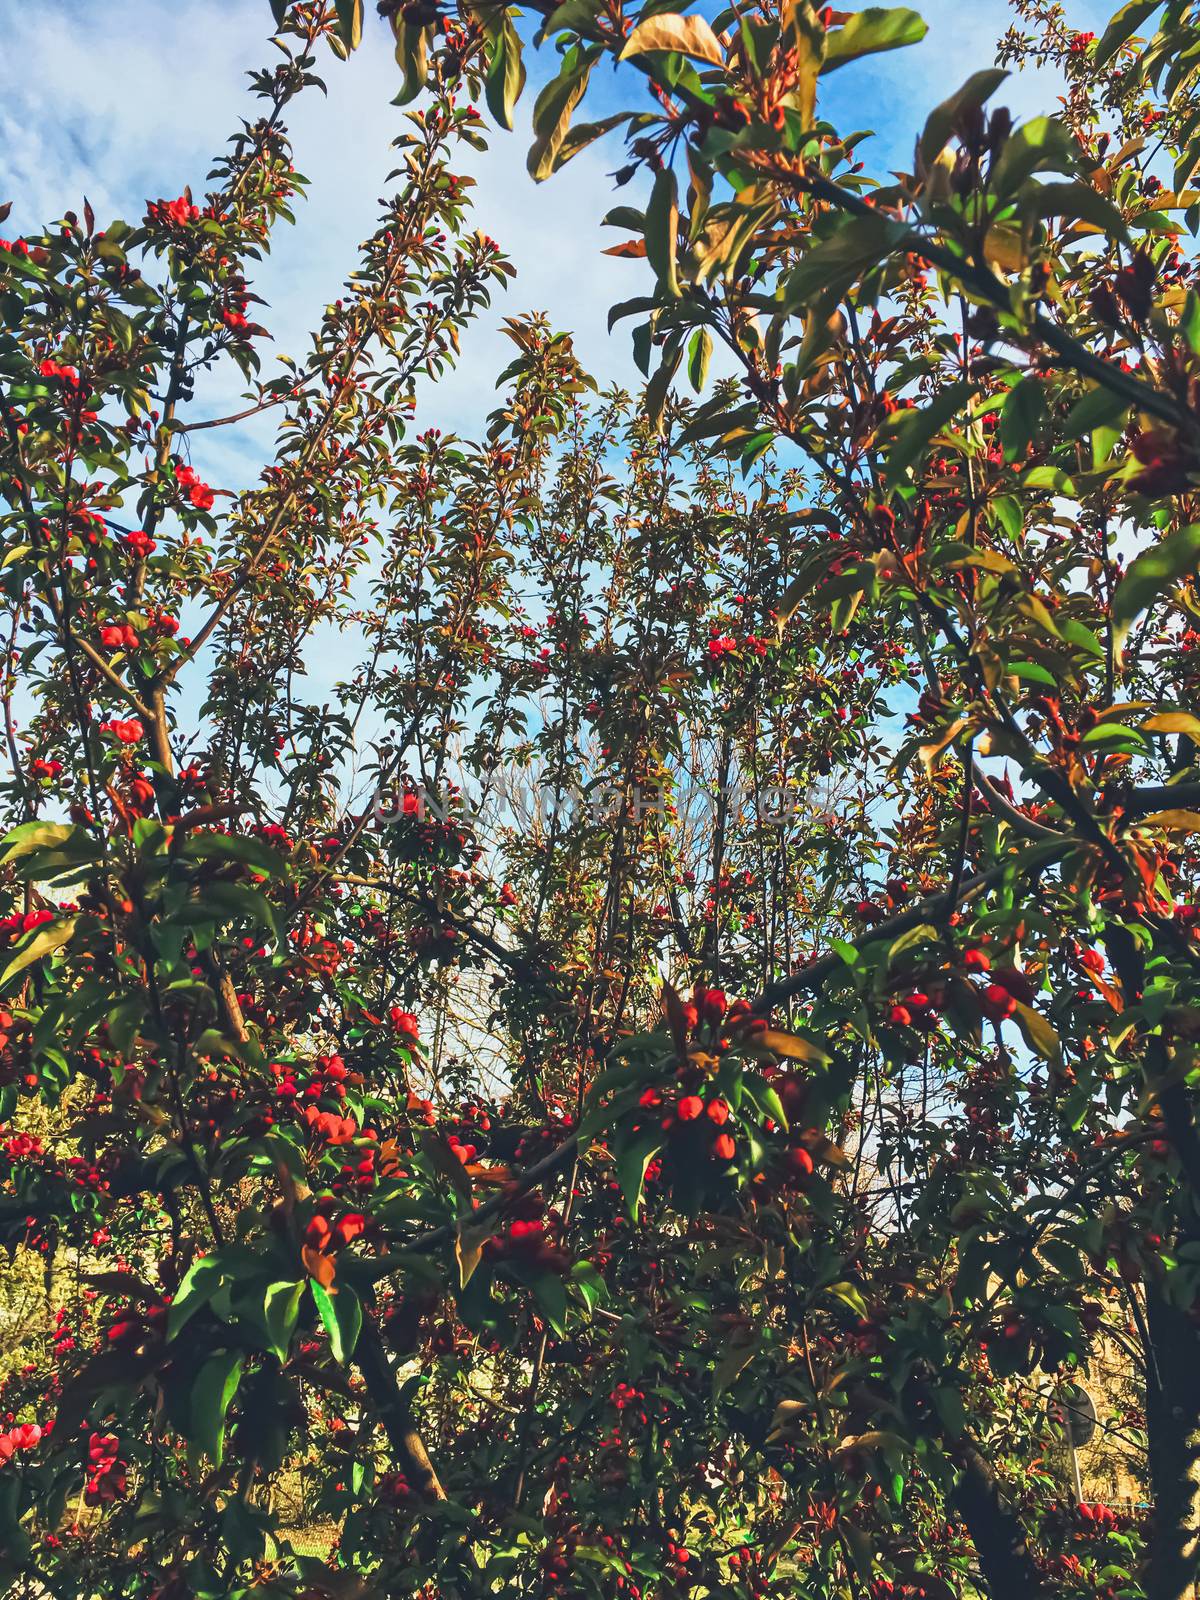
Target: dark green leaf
{"points": [[662, 231], [341, 1313], [350, 22], [868, 32], [235, 847], [214, 1388], [1122, 27], [631, 1170], [1022, 418], [552, 116], [505, 72], [979, 87], [1153, 571], [829, 268], [1044, 144], [916, 431], [699, 354]]}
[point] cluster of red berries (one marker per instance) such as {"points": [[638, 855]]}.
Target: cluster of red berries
{"points": [[328, 1127], [528, 1240], [140, 543], [200, 495], [749, 1567], [24, 922], [998, 999], [125, 730], [20, 1146], [135, 1330], [106, 1472], [328, 1079], [421, 1109], [395, 1489], [1099, 1516], [50, 368], [360, 1175], [118, 636], [326, 1237], [23, 1437], [64, 1339], [625, 1395], [179, 212]]}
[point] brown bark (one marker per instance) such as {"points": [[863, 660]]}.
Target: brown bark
{"points": [[1173, 1435], [1008, 1568], [408, 1448]]}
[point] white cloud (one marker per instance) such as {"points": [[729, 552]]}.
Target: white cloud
{"points": [[155, 88], [132, 101]]}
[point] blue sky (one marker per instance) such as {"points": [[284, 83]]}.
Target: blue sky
{"points": [[130, 101]]}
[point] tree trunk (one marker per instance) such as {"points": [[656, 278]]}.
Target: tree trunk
{"points": [[1008, 1568], [408, 1448], [1173, 1432]]}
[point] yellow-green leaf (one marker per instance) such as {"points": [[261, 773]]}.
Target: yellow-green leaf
{"points": [[691, 36], [51, 937]]}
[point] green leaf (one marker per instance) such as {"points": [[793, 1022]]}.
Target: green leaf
{"points": [[1077, 200], [1189, 321], [200, 1283], [631, 1170], [48, 938], [766, 1097], [1099, 408], [36, 836], [1081, 636], [1039, 1035], [737, 1358], [699, 355], [979, 87], [124, 1020], [1153, 571], [341, 1312], [552, 116], [916, 431], [281, 1310], [829, 268], [350, 22], [868, 32], [1122, 27], [505, 77], [412, 44], [239, 900], [662, 231], [1022, 418], [849, 1296], [1030, 672], [1044, 143], [690, 36], [805, 34], [1006, 510], [235, 847], [214, 1388], [1052, 478], [551, 1294], [584, 134], [655, 398]]}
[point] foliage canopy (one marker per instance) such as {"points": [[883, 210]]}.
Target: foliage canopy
{"points": [[697, 1168]]}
